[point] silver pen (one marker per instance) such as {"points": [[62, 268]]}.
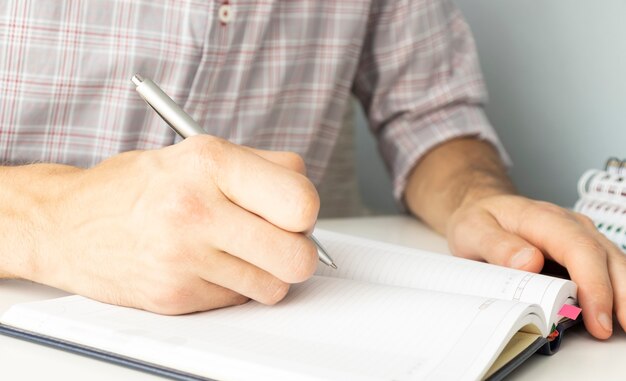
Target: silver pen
{"points": [[185, 126]]}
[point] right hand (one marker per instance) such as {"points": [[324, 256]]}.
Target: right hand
{"points": [[199, 225]]}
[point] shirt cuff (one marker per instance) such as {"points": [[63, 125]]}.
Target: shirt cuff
{"points": [[406, 140]]}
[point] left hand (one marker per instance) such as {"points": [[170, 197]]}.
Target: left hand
{"points": [[518, 232]]}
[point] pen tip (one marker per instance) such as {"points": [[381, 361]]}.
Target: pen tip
{"points": [[334, 266]]}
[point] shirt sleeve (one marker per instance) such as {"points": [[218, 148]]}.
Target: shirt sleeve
{"points": [[420, 83]]}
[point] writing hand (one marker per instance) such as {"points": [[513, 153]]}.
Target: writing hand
{"points": [[199, 225]]}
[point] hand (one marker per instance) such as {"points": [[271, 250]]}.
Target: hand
{"points": [[199, 225], [517, 232]]}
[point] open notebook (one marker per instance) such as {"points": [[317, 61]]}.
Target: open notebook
{"points": [[388, 313]]}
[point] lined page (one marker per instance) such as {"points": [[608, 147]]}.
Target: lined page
{"points": [[373, 261], [326, 328]]}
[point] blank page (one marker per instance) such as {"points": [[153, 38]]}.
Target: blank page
{"points": [[373, 261], [326, 328]]}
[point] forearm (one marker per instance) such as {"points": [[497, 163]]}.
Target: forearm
{"points": [[452, 174], [27, 195]]}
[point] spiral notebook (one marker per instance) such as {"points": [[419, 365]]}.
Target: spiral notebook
{"points": [[603, 199]]}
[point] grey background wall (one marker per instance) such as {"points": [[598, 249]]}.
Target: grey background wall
{"points": [[556, 74]]}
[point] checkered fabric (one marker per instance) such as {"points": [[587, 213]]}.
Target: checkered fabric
{"points": [[273, 74]]}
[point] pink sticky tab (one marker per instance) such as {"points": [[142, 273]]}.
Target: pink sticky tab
{"points": [[570, 311]]}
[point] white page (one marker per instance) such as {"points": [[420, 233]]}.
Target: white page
{"points": [[373, 261], [326, 328]]}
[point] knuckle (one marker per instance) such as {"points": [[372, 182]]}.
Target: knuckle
{"points": [[183, 205], [302, 260], [208, 151], [295, 162], [533, 217], [200, 143], [552, 209], [306, 205], [586, 221], [262, 287], [274, 291]]}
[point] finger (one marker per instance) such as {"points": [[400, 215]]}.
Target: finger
{"points": [[240, 276], [558, 234], [281, 196], [201, 296], [289, 160], [483, 238], [617, 271], [595, 293], [290, 257]]}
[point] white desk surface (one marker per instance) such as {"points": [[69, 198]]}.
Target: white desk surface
{"points": [[581, 357]]}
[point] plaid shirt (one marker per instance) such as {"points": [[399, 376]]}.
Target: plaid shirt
{"points": [[273, 74]]}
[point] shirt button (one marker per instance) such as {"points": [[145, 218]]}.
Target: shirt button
{"points": [[225, 13]]}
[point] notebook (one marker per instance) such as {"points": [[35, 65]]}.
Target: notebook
{"points": [[603, 199], [387, 313]]}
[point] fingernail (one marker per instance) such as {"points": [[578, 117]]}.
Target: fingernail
{"points": [[521, 258], [605, 321]]}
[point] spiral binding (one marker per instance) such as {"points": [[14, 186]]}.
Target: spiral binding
{"points": [[604, 185], [615, 166], [609, 218], [603, 199]]}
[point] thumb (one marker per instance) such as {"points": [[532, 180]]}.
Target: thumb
{"points": [[480, 236]]}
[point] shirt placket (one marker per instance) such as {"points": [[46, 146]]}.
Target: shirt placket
{"points": [[225, 12]]}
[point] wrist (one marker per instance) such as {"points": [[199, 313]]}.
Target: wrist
{"points": [[480, 185], [28, 203], [452, 176]]}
